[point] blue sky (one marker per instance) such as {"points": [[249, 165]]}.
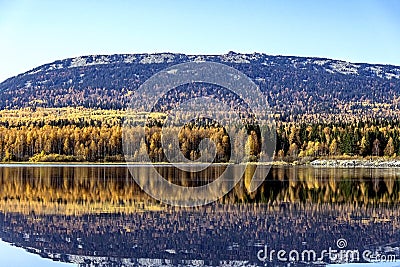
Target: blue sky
{"points": [[38, 32]]}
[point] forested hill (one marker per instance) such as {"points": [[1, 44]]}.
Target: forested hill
{"points": [[297, 87]]}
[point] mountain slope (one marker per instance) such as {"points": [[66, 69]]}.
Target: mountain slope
{"points": [[295, 86]]}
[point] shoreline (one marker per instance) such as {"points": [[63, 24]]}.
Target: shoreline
{"points": [[355, 163], [317, 163]]}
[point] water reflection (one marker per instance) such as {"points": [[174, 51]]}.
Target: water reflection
{"points": [[98, 215], [73, 190]]}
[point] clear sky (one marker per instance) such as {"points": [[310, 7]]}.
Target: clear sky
{"points": [[36, 32]]}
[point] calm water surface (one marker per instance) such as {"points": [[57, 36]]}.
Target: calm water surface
{"points": [[97, 216]]}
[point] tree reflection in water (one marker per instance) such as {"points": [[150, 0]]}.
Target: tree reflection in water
{"points": [[62, 212]]}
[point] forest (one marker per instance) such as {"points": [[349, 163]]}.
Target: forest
{"points": [[297, 88], [93, 135], [74, 109]]}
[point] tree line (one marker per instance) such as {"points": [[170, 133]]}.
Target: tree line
{"points": [[88, 139]]}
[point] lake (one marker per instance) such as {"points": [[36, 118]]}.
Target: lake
{"points": [[96, 215]]}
